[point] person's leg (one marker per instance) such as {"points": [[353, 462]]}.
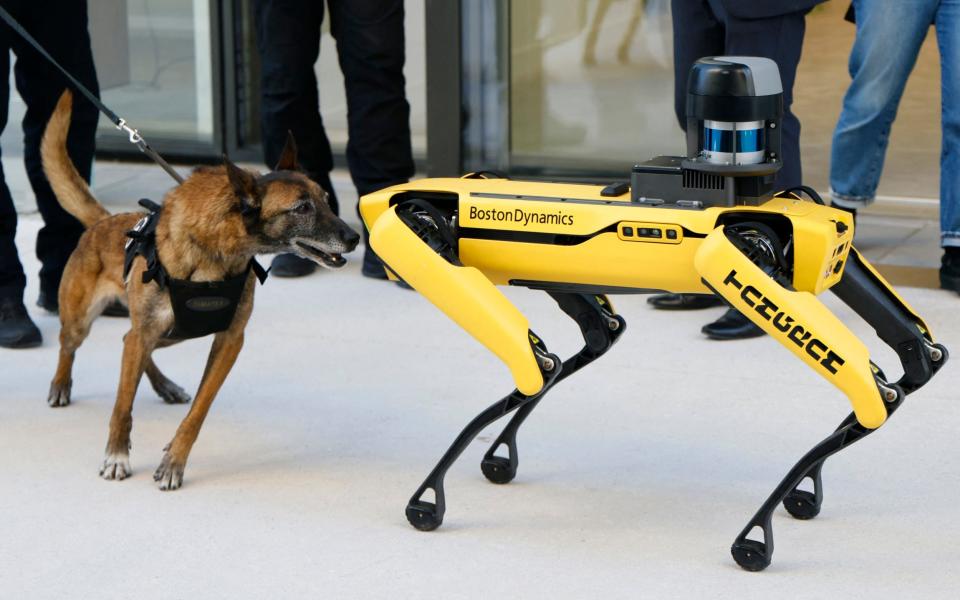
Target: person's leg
{"points": [[12, 278], [697, 32], [889, 36], [288, 41], [370, 45], [16, 328], [948, 39], [780, 39], [40, 85]]}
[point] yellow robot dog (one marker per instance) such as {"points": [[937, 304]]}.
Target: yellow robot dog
{"points": [[707, 222]]}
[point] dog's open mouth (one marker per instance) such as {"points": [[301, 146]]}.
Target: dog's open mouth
{"points": [[309, 250]]}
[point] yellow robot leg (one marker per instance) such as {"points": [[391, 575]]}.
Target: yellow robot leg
{"points": [[464, 295], [798, 320], [474, 303], [768, 303]]}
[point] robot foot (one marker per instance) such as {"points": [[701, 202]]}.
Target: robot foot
{"points": [[755, 556], [498, 469], [600, 327], [424, 515], [751, 555]]}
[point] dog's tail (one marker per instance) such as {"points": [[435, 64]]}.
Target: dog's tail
{"points": [[70, 188]]}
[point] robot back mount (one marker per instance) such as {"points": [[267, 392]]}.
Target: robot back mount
{"points": [[734, 112]]}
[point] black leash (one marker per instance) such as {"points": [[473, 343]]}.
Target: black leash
{"points": [[135, 137]]}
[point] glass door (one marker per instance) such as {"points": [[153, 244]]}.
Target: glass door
{"points": [[155, 62], [591, 85]]}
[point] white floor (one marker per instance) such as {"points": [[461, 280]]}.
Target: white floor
{"points": [[635, 474]]}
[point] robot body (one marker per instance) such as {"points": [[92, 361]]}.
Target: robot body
{"points": [[708, 222]]}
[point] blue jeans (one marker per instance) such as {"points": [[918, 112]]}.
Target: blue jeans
{"points": [[889, 36]]}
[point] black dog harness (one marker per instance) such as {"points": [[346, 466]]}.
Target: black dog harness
{"points": [[199, 307]]}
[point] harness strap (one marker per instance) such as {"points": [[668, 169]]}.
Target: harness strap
{"points": [[135, 137], [143, 242], [199, 307], [259, 271]]}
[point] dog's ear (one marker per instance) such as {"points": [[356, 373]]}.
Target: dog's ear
{"points": [[244, 185], [288, 158]]}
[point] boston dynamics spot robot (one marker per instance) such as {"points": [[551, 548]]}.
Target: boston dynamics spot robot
{"points": [[706, 222]]}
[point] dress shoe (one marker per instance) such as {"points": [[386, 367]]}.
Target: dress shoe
{"points": [[684, 301], [291, 265], [116, 309], [16, 328], [732, 326], [372, 265], [374, 272], [950, 269], [48, 302]]}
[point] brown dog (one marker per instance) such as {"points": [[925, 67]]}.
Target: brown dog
{"points": [[210, 228]]}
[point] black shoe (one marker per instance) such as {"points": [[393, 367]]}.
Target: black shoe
{"points": [[684, 301], [376, 272], [372, 265], [291, 265], [116, 309], [48, 302], [732, 326], [950, 269], [16, 328]]}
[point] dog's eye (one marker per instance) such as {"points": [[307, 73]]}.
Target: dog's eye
{"points": [[303, 208]]}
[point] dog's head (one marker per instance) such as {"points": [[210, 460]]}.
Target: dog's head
{"points": [[286, 211]]}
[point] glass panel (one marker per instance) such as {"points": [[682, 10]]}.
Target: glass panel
{"points": [[592, 91], [153, 61], [485, 93], [591, 84]]}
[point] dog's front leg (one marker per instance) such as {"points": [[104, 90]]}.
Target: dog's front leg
{"points": [[226, 347], [116, 462]]}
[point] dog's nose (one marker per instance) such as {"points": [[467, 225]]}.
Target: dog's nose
{"points": [[349, 237]]}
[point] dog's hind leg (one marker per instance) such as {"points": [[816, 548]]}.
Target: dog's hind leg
{"points": [[71, 336], [168, 391], [223, 353], [136, 352], [78, 309]]}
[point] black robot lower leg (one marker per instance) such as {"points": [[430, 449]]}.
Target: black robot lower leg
{"points": [[600, 327], [755, 555], [920, 358]]}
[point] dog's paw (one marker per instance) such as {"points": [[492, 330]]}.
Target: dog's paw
{"points": [[59, 394], [172, 393], [169, 475], [116, 466]]}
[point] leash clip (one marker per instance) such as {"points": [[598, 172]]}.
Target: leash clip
{"points": [[135, 137]]}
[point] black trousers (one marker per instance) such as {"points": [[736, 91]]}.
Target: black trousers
{"points": [[370, 47], [704, 28], [61, 27]]}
